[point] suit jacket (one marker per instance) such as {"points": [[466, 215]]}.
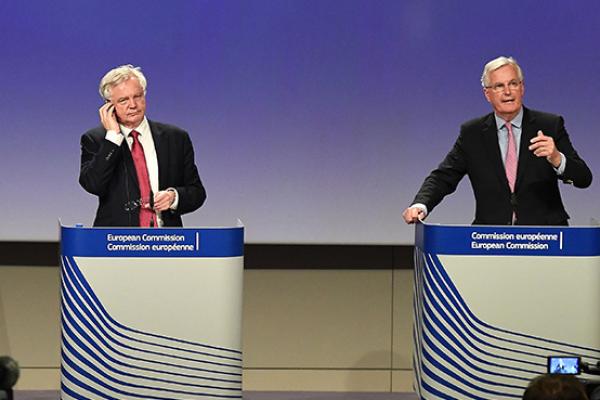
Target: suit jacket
{"points": [[107, 170], [476, 153]]}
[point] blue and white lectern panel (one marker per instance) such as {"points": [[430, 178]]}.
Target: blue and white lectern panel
{"points": [[491, 303], [151, 313]]}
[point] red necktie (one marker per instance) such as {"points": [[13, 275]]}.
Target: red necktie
{"points": [[147, 215], [510, 163]]}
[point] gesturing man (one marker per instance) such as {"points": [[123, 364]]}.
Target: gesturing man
{"points": [[514, 158]]}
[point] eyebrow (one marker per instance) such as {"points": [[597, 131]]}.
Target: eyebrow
{"points": [[133, 95]]}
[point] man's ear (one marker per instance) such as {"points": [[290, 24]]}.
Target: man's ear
{"points": [[486, 94]]}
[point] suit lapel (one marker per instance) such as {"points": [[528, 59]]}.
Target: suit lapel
{"points": [[490, 139], [528, 131], [161, 153]]}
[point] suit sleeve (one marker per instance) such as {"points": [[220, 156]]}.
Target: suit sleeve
{"points": [[99, 159], [576, 170], [445, 178], [192, 193]]}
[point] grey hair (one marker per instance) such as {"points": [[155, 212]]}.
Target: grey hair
{"points": [[496, 64], [118, 75]]}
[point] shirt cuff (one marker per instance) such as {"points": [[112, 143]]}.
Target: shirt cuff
{"points": [[115, 137], [421, 207], [563, 164], [176, 201]]}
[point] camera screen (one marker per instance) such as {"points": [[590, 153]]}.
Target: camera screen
{"points": [[564, 365]]}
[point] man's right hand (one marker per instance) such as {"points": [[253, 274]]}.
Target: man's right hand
{"points": [[413, 214], [109, 118]]}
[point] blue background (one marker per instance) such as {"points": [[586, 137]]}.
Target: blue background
{"points": [[313, 121]]}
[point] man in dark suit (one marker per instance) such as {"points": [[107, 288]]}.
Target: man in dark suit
{"points": [[135, 166], [514, 158]]}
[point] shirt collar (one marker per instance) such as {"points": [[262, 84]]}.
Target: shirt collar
{"points": [[142, 128], [516, 121]]}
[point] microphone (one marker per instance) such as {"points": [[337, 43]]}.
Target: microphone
{"points": [[151, 202], [127, 193], [514, 202], [129, 205]]}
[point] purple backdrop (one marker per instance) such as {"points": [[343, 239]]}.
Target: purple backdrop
{"points": [[313, 121]]}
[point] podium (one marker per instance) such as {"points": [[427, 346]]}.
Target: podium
{"points": [[492, 302], [151, 313]]}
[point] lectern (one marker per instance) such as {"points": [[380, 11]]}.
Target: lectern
{"points": [[492, 302], [151, 313]]}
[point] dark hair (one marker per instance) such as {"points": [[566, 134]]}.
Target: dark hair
{"points": [[555, 387]]}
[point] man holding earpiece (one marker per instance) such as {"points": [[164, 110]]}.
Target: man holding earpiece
{"points": [[142, 171], [514, 158]]}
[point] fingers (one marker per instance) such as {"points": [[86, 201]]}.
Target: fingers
{"points": [[105, 111], [541, 138], [543, 146], [412, 215], [163, 200], [541, 149], [108, 117]]}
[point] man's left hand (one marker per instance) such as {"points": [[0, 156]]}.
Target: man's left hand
{"points": [[543, 146], [163, 200]]}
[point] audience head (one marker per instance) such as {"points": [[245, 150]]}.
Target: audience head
{"points": [[555, 387]]}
